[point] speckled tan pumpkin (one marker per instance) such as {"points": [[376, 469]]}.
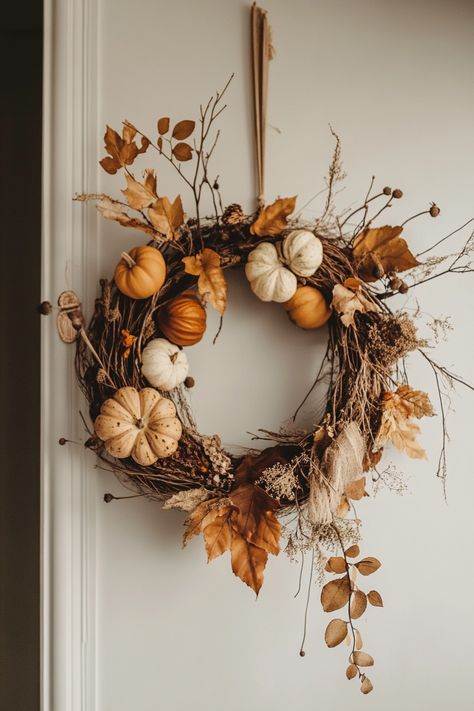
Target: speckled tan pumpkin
{"points": [[308, 308], [141, 272], [140, 424], [182, 320]]}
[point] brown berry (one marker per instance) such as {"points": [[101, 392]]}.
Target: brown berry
{"points": [[302, 653], [395, 283], [62, 441], [403, 288], [434, 210], [189, 382], [397, 193], [108, 498], [45, 308], [387, 190]]}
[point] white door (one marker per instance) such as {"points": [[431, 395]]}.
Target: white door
{"points": [[130, 621]]}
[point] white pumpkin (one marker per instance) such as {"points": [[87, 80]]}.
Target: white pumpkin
{"points": [[164, 365], [140, 424], [302, 252], [269, 279]]}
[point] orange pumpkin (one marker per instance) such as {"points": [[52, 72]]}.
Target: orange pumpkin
{"points": [[141, 272], [182, 320], [308, 308]]}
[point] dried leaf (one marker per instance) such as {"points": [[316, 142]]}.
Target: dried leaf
{"points": [[397, 424], [353, 551], [347, 302], [382, 249], [122, 150], [217, 531], [361, 659], [336, 564], [336, 632], [366, 686], [352, 283], [356, 489], [272, 220], [248, 562], [195, 519], [375, 598], [420, 400], [358, 604], [251, 466], [368, 565], [212, 285], [351, 671], [371, 459], [141, 195], [335, 594], [167, 217], [182, 152], [163, 125], [187, 500], [358, 640], [343, 507], [112, 210], [182, 130], [254, 518]]}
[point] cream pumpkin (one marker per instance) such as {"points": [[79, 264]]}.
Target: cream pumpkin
{"points": [[269, 279], [164, 365], [140, 424], [302, 252]]}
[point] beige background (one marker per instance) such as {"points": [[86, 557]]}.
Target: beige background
{"points": [[395, 82]]}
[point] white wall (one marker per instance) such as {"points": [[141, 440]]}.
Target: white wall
{"points": [[395, 82]]}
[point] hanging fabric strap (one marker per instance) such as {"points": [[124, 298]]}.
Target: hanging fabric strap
{"points": [[261, 55]]}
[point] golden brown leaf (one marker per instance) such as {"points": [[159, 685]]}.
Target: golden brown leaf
{"points": [[343, 507], [251, 466], [382, 249], [182, 130], [353, 551], [217, 531], [248, 562], [112, 210], [195, 519], [163, 125], [336, 564], [375, 598], [371, 459], [141, 195], [358, 640], [351, 671], [336, 632], [167, 217], [362, 659], [356, 489], [254, 518], [347, 302], [187, 500], [212, 285], [335, 594], [352, 283], [366, 685], [358, 604], [272, 219], [368, 565], [397, 424], [182, 152], [420, 400], [121, 150]]}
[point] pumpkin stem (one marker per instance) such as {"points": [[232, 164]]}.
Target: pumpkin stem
{"points": [[174, 356], [128, 259]]}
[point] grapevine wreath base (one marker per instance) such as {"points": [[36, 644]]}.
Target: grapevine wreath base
{"points": [[132, 364]]}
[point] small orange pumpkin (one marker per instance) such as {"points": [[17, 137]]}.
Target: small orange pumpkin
{"points": [[182, 320], [308, 308], [141, 272]]}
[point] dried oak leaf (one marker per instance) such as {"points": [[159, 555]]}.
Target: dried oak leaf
{"points": [[347, 301], [381, 250], [397, 425], [254, 518], [335, 594], [272, 219], [112, 210], [335, 633], [212, 285], [122, 150], [420, 400], [248, 562], [187, 500], [167, 217], [141, 195]]}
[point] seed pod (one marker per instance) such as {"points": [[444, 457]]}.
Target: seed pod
{"points": [[189, 382], [395, 283], [403, 288], [387, 190], [397, 193], [434, 210]]}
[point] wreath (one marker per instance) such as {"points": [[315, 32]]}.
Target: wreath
{"points": [[134, 363]]}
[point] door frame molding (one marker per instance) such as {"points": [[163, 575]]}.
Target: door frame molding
{"points": [[69, 261]]}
